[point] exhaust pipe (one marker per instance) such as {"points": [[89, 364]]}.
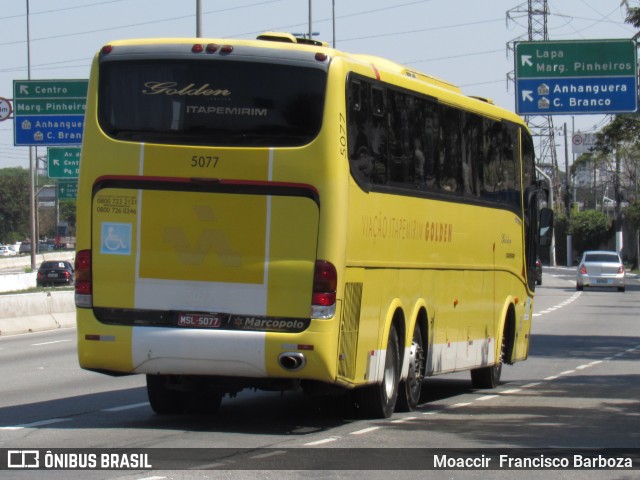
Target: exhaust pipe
{"points": [[292, 361]]}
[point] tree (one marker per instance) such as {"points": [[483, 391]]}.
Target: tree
{"points": [[14, 204], [68, 214], [633, 14], [590, 229], [632, 215]]}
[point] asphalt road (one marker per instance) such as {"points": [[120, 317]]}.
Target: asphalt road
{"points": [[579, 389]]}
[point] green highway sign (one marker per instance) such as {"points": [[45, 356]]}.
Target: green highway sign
{"points": [[67, 189], [49, 112], [39, 106], [64, 162], [570, 58], [576, 77], [29, 89]]}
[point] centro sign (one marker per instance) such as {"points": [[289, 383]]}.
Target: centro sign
{"points": [[49, 112]]}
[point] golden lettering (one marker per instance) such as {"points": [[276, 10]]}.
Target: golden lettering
{"points": [[172, 89]]}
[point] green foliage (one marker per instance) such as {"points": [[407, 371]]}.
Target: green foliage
{"points": [[623, 128], [590, 229], [14, 204], [68, 214], [633, 14], [632, 214], [15, 212]]}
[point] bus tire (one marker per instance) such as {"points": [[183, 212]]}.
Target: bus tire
{"points": [[411, 388], [163, 400], [379, 400], [489, 377]]}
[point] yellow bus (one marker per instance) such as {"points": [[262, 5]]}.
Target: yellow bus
{"points": [[277, 214]]}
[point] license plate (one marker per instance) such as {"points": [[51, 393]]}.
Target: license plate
{"points": [[52, 275], [198, 320], [602, 280]]}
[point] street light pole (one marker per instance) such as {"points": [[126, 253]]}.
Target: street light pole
{"points": [[333, 21], [310, 22], [198, 18], [32, 182]]}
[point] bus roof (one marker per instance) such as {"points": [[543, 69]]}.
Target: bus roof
{"points": [[289, 42]]}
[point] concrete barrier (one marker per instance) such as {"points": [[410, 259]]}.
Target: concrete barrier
{"points": [[35, 312], [12, 282]]}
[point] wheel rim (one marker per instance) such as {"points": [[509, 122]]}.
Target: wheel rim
{"points": [[416, 367], [497, 370], [390, 371]]}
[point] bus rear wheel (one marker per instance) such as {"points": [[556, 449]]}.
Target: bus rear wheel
{"points": [[379, 401], [489, 377], [411, 388]]}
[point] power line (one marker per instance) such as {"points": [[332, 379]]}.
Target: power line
{"points": [[61, 9], [428, 29], [151, 22]]}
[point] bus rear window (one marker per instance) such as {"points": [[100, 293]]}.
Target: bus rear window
{"points": [[217, 103]]}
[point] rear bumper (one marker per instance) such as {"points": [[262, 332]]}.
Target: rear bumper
{"points": [[601, 281], [207, 352]]}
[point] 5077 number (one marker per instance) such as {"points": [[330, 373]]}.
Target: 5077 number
{"points": [[201, 161]]}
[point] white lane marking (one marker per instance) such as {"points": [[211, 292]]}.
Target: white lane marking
{"points": [[486, 397], [40, 423], [461, 404], [49, 343], [552, 377], [508, 392], [321, 442], [567, 372], [531, 385], [564, 303], [364, 430], [402, 420], [126, 407]]}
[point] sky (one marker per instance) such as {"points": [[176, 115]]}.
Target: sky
{"points": [[465, 42]]}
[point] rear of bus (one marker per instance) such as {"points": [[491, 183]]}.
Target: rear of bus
{"points": [[202, 206]]}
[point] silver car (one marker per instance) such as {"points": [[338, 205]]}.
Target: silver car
{"points": [[600, 269]]}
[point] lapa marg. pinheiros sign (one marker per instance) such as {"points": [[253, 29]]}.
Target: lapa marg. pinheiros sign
{"points": [[576, 77]]}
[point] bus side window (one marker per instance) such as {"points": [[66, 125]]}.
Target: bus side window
{"points": [[377, 101], [449, 159], [355, 96], [358, 141]]}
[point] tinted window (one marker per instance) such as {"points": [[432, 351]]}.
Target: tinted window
{"points": [[412, 143], [602, 258], [211, 102]]}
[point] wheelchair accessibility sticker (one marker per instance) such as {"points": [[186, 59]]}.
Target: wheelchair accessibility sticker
{"points": [[115, 238]]}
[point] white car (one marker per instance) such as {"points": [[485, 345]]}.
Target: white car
{"points": [[600, 269], [6, 250]]}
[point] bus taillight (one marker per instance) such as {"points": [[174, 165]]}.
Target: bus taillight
{"points": [[325, 284], [84, 284]]}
